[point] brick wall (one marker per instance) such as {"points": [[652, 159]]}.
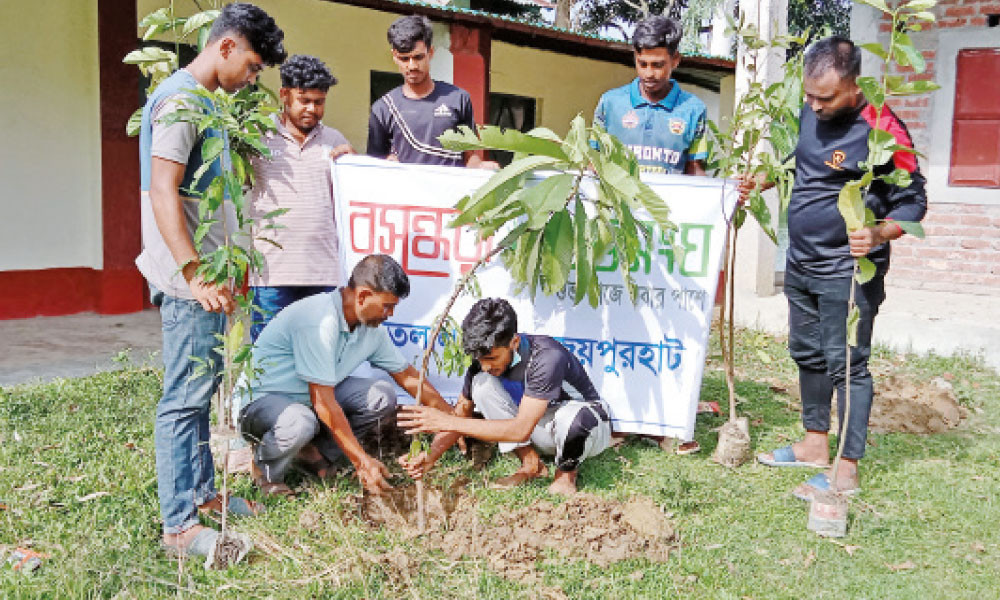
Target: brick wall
{"points": [[962, 249]]}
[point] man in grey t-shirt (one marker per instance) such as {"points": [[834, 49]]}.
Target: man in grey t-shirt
{"points": [[518, 382]]}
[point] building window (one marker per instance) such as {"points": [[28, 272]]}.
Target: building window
{"points": [[511, 112], [975, 135]]}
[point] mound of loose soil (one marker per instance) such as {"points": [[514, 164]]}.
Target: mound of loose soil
{"points": [[584, 526], [901, 405]]}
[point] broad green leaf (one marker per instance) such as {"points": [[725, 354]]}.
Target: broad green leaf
{"points": [[924, 16], [557, 251], [870, 219], [576, 145], [899, 178], [853, 317], [908, 54], [866, 270], [872, 90], [149, 54], [913, 228], [198, 21], [491, 137], [911, 88], [531, 270], [545, 133], [852, 206], [511, 171], [877, 50], [548, 196], [880, 146], [273, 214], [762, 214]]}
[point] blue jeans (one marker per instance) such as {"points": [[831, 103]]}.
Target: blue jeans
{"points": [[817, 329], [184, 470], [269, 300]]}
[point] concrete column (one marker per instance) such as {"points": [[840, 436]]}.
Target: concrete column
{"points": [[443, 63], [470, 50], [755, 251]]}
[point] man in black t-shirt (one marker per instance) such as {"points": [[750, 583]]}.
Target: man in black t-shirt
{"points": [[405, 123], [535, 397]]}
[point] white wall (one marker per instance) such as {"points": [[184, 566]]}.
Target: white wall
{"points": [[50, 203]]}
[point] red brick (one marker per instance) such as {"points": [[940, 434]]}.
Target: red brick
{"points": [[959, 22], [960, 11], [977, 21], [975, 220], [884, 28], [985, 231], [989, 9], [918, 102]]}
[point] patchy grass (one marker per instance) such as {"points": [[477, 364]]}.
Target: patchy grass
{"points": [[924, 525]]}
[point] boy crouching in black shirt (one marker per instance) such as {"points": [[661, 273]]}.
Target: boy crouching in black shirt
{"points": [[518, 383]]}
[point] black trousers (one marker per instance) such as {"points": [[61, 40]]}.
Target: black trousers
{"points": [[817, 329]]}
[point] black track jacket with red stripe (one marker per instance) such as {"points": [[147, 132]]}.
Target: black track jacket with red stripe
{"points": [[826, 158]]}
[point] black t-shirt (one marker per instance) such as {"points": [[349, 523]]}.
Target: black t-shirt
{"points": [[409, 128], [826, 158], [544, 366]]}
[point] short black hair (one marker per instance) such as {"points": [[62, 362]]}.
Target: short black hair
{"points": [[405, 32], [255, 26], [381, 273], [303, 72], [490, 323], [657, 32], [834, 52]]}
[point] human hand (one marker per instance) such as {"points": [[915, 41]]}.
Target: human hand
{"points": [[338, 151], [422, 419], [863, 240], [416, 466], [490, 165], [212, 297], [746, 186], [372, 475], [392, 157]]}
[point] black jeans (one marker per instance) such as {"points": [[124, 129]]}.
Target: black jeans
{"points": [[817, 330]]}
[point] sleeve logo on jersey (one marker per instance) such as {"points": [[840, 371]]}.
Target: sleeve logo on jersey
{"points": [[442, 111], [677, 126], [630, 120], [836, 159]]}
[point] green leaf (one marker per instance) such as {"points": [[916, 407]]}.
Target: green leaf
{"points": [[918, 5], [899, 178], [134, 123], [853, 318], [211, 148], [875, 49], [491, 137], [198, 21], [852, 206], [913, 228], [908, 54], [149, 54], [557, 251], [510, 172], [866, 270], [911, 88], [872, 90], [924, 16], [880, 146], [584, 270], [577, 143], [879, 4], [548, 196]]}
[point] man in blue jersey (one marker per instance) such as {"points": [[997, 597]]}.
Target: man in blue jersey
{"points": [[652, 115]]}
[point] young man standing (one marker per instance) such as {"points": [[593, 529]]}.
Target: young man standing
{"points": [[405, 123], [296, 177], [518, 382], [306, 405], [242, 40], [660, 122], [833, 142]]}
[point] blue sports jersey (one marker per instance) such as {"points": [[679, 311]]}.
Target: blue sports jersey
{"points": [[664, 135]]}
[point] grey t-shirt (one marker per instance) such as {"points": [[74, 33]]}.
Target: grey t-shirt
{"points": [[409, 128], [544, 366], [175, 142]]}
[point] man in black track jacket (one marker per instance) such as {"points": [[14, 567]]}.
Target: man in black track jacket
{"points": [[833, 140]]}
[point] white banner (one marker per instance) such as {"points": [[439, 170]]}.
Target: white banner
{"points": [[646, 359]]}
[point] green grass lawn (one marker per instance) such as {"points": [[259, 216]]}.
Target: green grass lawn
{"points": [[77, 476]]}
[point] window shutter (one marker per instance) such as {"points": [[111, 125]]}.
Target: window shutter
{"points": [[975, 138]]}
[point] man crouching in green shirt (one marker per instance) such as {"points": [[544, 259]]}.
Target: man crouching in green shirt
{"points": [[306, 405]]}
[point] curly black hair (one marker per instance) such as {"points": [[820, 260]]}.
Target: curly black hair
{"points": [[303, 72], [657, 32], [255, 26], [405, 32], [491, 322]]}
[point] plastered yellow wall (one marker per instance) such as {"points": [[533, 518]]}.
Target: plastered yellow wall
{"points": [[562, 85], [50, 162], [350, 40]]}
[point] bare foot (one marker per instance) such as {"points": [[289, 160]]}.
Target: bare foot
{"points": [[812, 449], [525, 473], [564, 483]]}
